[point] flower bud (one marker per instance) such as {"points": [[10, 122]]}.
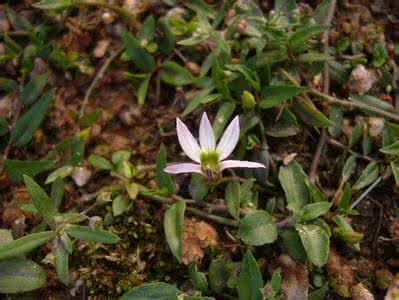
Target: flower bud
{"points": [[248, 100]]}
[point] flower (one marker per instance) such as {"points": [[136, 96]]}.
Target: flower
{"points": [[209, 159]]}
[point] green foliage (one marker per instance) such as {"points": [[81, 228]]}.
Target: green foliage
{"points": [[257, 228], [173, 226], [292, 179], [15, 169], [250, 280], [152, 291], [163, 179], [316, 242]]}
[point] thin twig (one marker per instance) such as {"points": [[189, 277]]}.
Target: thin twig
{"points": [[326, 90], [144, 192], [98, 77], [349, 104], [337, 144], [366, 192]]}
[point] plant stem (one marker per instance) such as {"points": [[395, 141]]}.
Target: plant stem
{"points": [[143, 191], [337, 144], [98, 77]]}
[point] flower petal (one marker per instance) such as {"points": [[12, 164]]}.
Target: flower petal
{"points": [[206, 135], [229, 139], [183, 168], [187, 141], [240, 164]]}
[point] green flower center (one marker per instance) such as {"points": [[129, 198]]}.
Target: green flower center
{"points": [[210, 163]]}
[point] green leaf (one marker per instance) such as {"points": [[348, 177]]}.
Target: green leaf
{"points": [[92, 235], [141, 58], [391, 149], [311, 57], [349, 168], [372, 101], [33, 89], [174, 74], [5, 236], [163, 179], [120, 156], [319, 294], [222, 116], [315, 210], [3, 126], [395, 171], [220, 272], [59, 173], [322, 10], [22, 132], [61, 261], [90, 118], [233, 199], [142, 90], [284, 6], [18, 275], [336, 118], [345, 199], [120, 205], [316, 242], [277, 94], [8, 85], [197, 278], [147, 29], [293, 244], [152, 291], [257, 228], [368, 176], [25, 244], [380, 55], [250, 280], [292, 179], [15, 169], [390, 133], [310, 115], [198, 187], [53, 4], [303, 35], [99, 162], [173, 226], [57, 192], [40, 200]]}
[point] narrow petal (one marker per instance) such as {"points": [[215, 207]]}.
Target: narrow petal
{"points": [[240, 164], [183, 168], [206, 135], [229, 139], [187, 141]]}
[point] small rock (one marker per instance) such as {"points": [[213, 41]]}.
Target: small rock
{"points": [[361, 80], [376, 126], [108, 17], [101, 48], [81, 176]]}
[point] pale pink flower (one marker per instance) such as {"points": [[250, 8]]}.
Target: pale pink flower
{"points": [[209, 158]]}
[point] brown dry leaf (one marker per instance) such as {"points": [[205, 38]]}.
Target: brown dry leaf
{"points": [[197, 236], [394, 229], [341, 273], [359, 292], [295, 279]]}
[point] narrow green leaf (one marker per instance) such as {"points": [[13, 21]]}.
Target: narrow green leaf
{"points": [[92, 235], [25, 244], [8, 85], [19, 275], [61, 261], [57, 192], [284, 6], [26, 125], [292, 179], [395, 171], [301, 36], [33, 89], [174, 74], [310, 115], [120, 205], [314, 210], [163, 179], [99, 162], [40, 200], [391, 149], [293, 244], [173, 226], [368, 176], [141, 58], [257, 228], [222, 116], [15, 169], [311, 57], [59, 173], [316, 242], [349, 168], [53, 4], [250, 280], [198, 187], [277, 94], [233, 199], [197, 278], [220, 272], [152, 291], [142, 90]]}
